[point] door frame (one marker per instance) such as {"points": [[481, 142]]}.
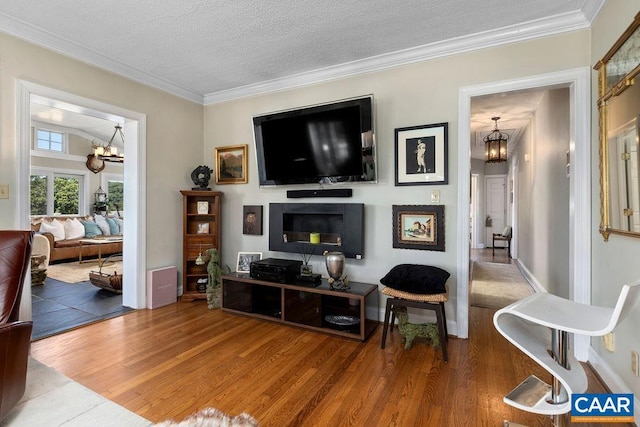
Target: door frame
{"points": [[135, 126], [578, 80]]}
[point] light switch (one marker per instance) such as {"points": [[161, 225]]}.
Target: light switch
{"points": [[435, 196], [4, 191]]}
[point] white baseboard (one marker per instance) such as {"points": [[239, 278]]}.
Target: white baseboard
{"points": [[612, 380], [528, 275]]}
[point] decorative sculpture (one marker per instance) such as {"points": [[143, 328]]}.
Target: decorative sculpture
{"points": [[410, 331], [215, 282], [201, 177]]}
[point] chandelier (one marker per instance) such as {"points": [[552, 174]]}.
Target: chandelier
{"points": [[495, 145], [105, 153]]}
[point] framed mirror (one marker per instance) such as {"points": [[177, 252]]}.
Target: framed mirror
{"points": [[619, 111]]}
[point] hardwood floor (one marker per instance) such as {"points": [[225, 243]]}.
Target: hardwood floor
{"points": [[175, 360]]}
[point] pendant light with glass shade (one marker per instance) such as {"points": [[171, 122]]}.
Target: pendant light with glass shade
{"points": [[495, 145]]}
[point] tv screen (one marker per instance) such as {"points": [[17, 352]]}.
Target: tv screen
{"points": [[324, 144]]}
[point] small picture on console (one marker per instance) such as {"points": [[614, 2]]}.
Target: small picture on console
{"points": [[245, 259], [252, 220]]}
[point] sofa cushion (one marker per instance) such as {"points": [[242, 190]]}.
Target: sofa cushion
{"points": [[102, 223], [91, 229], [73, 229], [113, 226], [417, 279], [54, 227], [67, 243]]}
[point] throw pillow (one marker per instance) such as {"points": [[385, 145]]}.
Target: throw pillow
{"points": [[73, 229], [113, 226], [54, 227], [416, 279], [91, 229], [102, 223], [121, 225]]}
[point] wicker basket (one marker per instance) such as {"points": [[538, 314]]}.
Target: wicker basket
{"points": [[110, 282]]}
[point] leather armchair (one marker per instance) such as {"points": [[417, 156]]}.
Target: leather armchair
{"points": [[15, 336]]}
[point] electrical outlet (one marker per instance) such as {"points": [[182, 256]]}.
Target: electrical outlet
{"points": [[4, 191], [635, 363], [608, 343]]}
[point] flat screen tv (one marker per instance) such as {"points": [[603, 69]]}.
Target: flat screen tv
{"points": [[322, 144]]}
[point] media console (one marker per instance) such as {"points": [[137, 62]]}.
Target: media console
{"points": [[322, 309]]}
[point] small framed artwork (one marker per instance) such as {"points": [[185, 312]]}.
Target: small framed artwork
{"points": [[203, 228], [421, 154], [245, 259], [418, 227], [231, 164], [252, 220], [203, 208]]}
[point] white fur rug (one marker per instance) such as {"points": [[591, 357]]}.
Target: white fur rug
{"points": [[211, 417]]}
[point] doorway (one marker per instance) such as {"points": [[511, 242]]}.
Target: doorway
{"points": [[578, 82], [134, 126]]}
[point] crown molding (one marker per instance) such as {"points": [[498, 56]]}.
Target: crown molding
{"points": [[516, 33], [572, 21], [65, 47]]}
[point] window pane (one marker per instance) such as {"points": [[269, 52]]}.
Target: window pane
{"points": [[48, 140], [66, 195], [38, 194], [116, 195]]}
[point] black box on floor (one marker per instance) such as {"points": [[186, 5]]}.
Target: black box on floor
{"points": [[275, 270]]}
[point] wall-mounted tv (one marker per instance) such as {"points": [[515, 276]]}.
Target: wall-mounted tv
{"points": [[322, 144]]}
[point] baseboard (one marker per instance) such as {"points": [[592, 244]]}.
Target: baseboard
{"points": [[528, 275], [611, 379]]}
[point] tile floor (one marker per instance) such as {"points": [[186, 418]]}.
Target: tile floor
{"points": [[58, 306]]}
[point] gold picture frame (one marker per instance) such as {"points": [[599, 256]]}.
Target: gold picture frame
{"points": [[619, 149], [231, 164]]}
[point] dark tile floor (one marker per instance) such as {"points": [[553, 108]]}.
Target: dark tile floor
{"points": [[58, 306]]}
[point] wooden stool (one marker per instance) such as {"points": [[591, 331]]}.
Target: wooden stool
{"points": [[434, 302]]}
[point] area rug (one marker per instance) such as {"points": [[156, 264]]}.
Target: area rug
{"points": [[73, 272], [496, 285], [211, 417], [52, 399]]}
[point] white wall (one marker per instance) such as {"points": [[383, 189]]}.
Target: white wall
{"points": [[174, 136], [543, 189], [410, 95], [614, 262]]}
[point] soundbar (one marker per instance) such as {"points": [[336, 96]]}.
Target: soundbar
{"points": [[332, 192]]}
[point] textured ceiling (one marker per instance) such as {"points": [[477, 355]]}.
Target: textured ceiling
{"points": [[200, 48], [211, 51]]}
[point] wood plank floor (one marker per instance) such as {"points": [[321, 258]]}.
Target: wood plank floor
{"points": [[173, 361]]}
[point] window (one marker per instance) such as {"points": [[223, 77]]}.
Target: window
{"points": [[115, 190], [49, 140], [56, 193]]}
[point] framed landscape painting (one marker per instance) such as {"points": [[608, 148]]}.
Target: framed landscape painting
{"points": [[231, 164], [418, 227]]}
